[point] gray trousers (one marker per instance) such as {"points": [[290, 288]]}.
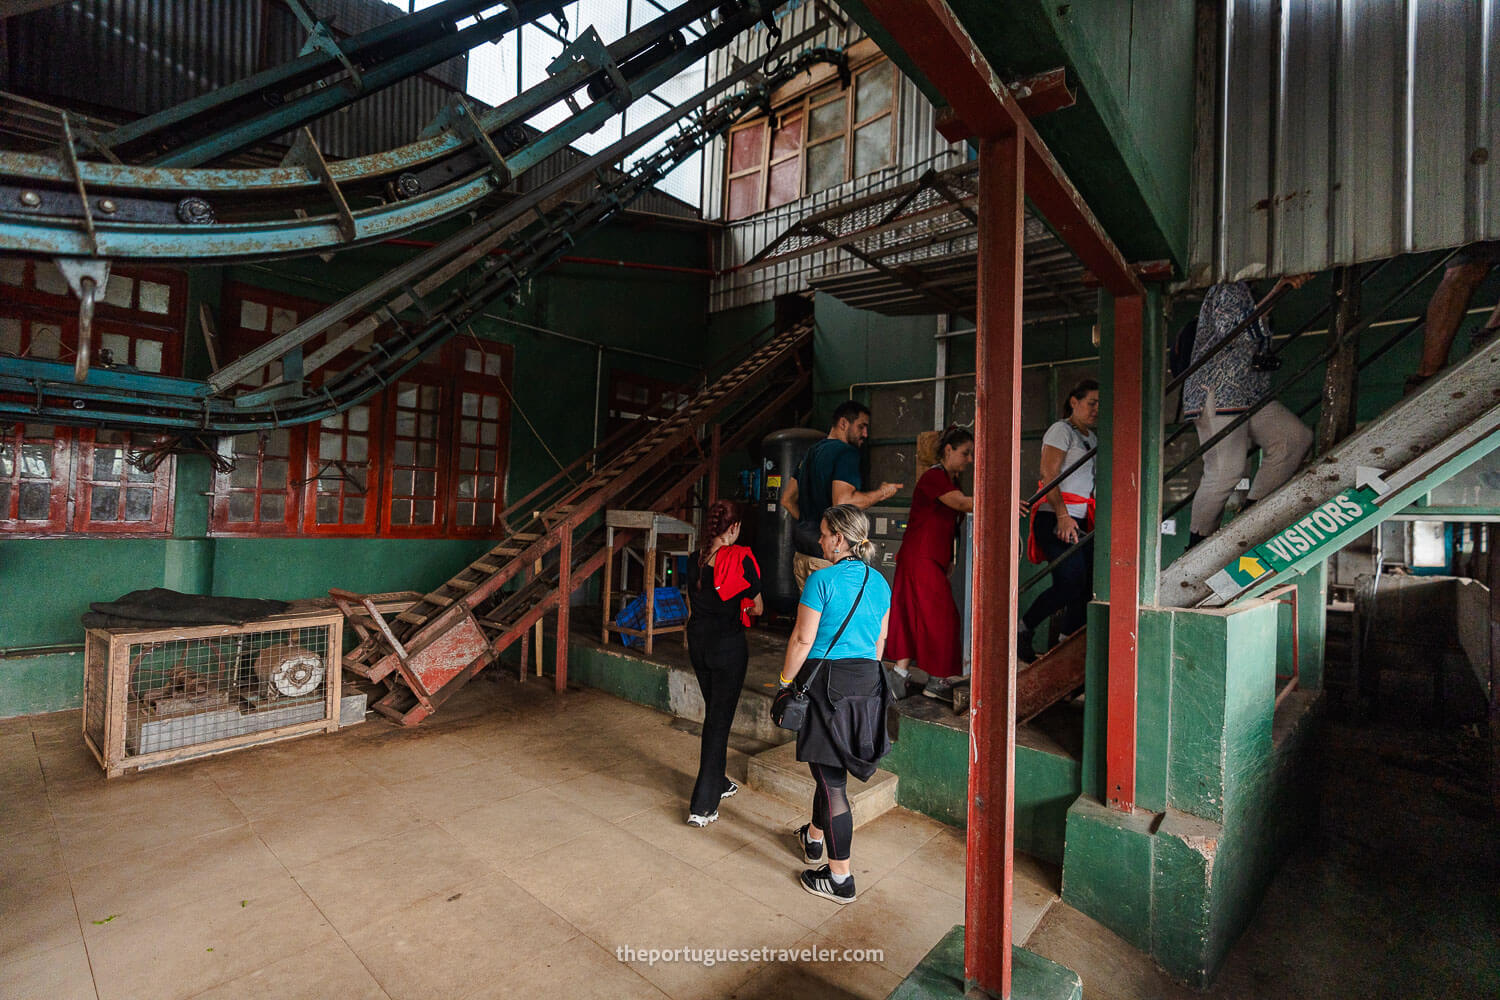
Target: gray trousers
{"points": [[1283, 439]]}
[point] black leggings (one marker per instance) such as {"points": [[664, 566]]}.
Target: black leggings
{"points": [[1072, 582], [831, 809], [719, 659]]}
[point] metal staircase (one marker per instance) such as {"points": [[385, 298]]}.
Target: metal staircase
{"points": [[555, 540], [1382, 467]]}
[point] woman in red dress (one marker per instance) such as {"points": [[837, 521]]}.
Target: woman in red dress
{"points": [[924, 620]]}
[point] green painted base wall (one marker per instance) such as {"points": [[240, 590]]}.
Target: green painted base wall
{"points": [[32, 685], [1223, 789]]}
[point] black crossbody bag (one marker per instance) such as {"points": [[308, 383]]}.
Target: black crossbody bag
{"points": [[789, 707]]}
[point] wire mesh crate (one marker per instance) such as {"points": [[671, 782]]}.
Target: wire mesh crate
{"points": [[157, 696]]}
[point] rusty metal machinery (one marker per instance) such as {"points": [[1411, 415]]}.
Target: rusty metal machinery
{"points": [[418, 306]]}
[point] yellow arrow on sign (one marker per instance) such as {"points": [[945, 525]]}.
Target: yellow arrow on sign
{"points": [[1252, 566]]}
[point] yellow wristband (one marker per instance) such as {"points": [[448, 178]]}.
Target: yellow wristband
{"points": [[782, 679]]}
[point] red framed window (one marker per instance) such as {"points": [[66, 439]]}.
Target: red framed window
{"points": [[818, 138], [425, 458], [478, 488], [343, 473], [417, 458], [34, 466], [260, 494], [112, 493], [56, 480]]}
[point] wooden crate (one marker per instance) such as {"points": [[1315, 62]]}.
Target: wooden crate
{"points": [[159, 696]]}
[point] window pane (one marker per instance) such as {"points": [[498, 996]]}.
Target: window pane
{"points": [[872, 147], [426, 484], [148, 355], [354, 511], [118, 291], [491, 408], [273, 507], [429, 397], [241, 507], [470, 404], [359, 418], [252, 315], [10, 335], [282, 319], [136, 474], [49, 279], [468, 431], [788, 138], [745, 147], [358, 449], [333, 421], [118, 347], [466, 458], [12, 271], [33, 501], [242, 476], [104, 505], [486, 515], [330, 447], [404, 452], [826, 120], [406, 395], [487, 487], [744, 196], [154, 297], [46, 341], [273, 474], [825, 166], [422, 513], [466, 486], [427, 427], [427, 455], [786, 183], [492, 364], [36, 461], [406, 423], [473, 360], [278, 442], [138, 505], [489, 434], [402, 482], [465, 514], [872, 93], [109, 463], [401, 512]]}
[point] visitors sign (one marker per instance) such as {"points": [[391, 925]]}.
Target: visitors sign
{"points": [[1324, 528]]}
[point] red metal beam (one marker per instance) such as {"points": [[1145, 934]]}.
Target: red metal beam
{"points": [[564, 606], [1124, 545], [997, 542], [981, 106]]}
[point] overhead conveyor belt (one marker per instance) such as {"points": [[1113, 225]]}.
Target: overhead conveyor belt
{"points": [[445, 288], [70, 206]]}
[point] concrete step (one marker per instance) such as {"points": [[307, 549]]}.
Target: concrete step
{"points": [[778, 772]]}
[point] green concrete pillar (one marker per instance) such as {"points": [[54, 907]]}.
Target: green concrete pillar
{"points": [[1153, 380], [1312, 626]]}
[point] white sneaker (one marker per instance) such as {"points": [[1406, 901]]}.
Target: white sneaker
{"points": [[695, 820]]}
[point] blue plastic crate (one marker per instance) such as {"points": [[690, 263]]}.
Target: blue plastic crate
{"points": [[671, 609]]}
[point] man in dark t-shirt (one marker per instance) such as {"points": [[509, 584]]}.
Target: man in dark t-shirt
{"points": [[829, 475]]}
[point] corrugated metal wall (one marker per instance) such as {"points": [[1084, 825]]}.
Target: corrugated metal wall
{"points": [[1347, 131], [157, 53], [918, 147]]}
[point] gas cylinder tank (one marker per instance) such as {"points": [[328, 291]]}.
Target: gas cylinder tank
{"points": [[781, 453]]}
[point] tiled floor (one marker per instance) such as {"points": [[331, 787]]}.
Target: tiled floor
{"points": [[507, 847]]}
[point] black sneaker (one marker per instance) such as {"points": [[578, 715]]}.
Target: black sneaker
{"points": [[730, 790], [819, 882], [696, 819], [812, 850]]}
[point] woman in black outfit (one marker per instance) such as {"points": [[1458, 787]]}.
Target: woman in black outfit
{"points": [[723, 587]]}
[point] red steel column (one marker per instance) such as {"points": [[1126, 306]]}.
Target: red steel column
{"points": [[997, 547], [564, 606], [1124, 545]]}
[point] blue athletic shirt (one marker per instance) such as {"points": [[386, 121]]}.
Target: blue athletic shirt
{"points": [[830, 592]]}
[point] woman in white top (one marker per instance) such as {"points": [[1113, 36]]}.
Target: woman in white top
{"points": [[1062, 517]]}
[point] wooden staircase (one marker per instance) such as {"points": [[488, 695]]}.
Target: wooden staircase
{"points": [[428, 651]]}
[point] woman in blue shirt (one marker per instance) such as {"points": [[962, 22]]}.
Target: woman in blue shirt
{"points": [[845, 729]]}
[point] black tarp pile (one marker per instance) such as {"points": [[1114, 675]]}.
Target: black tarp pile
{"points": [[161, 608]]}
